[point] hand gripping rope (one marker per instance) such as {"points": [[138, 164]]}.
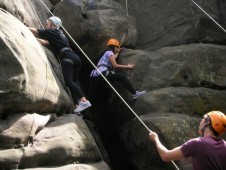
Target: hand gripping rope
{"points": [[103, 75]]}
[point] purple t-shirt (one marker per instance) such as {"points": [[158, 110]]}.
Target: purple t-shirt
{"points": [[207, 153], [103, 64]]}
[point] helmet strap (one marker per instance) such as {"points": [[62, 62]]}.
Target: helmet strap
{"points": [[204, 127]]}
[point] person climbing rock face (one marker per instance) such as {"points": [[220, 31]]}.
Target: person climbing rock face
{"points": [[108, 63], [207, 151], [70, 62]]}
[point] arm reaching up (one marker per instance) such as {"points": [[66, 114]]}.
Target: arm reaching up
{"points": [[36, 34], [34, 31]]}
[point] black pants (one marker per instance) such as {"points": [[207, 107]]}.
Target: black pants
{"points": [[71, 64], [123, 78], [111, 76]]}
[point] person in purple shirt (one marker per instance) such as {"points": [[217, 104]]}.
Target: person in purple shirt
{"points": [[208, 151]]}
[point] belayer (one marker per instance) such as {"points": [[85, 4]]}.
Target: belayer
{"points": [[208, 151], [107, 64], [70, 62]]}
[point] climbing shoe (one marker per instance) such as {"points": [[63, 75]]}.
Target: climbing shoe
{"points": [[82, 106], [138, 94]]}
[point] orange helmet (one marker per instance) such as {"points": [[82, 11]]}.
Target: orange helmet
{"points": [[113, 42], [218, 121]]}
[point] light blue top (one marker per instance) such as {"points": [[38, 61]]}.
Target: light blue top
{"points": [[103, 64]]}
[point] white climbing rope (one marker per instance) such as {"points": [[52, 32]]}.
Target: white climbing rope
{"points": [[126, 30], [208, 16], [32, 6], [127, 12], [105, 78], [123, 37]]}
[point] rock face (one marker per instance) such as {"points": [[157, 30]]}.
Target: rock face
{"points": [[27, 11], [67, 140], [93, 166], [19, 130], [179, 55], [161, 24], [32, 81], [28, 82]]}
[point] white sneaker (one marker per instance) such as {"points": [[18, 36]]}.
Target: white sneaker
{"points": [[138, 94], [82, 106]]}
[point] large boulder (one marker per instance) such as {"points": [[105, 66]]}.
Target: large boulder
{"points": [[27, 82], [32, 13], [192, 65], [67, 140], [19, 130], [94, 166], [186, 79], [161, 24], [190, 101]]}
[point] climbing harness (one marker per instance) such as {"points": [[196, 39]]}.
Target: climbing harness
{"points": [[104, 76], [208, 16]]}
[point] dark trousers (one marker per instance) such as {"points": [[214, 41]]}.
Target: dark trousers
{"points": [[100, 90], [96, 85], [112, 76], [70, 69]]}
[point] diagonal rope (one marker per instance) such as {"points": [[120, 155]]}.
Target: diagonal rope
{"points": [[105, 78], [32, 6], [127, 12], [126, 30], [209, 16]]}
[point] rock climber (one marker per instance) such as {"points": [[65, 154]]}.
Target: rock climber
{"points": [[70, 62]]}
